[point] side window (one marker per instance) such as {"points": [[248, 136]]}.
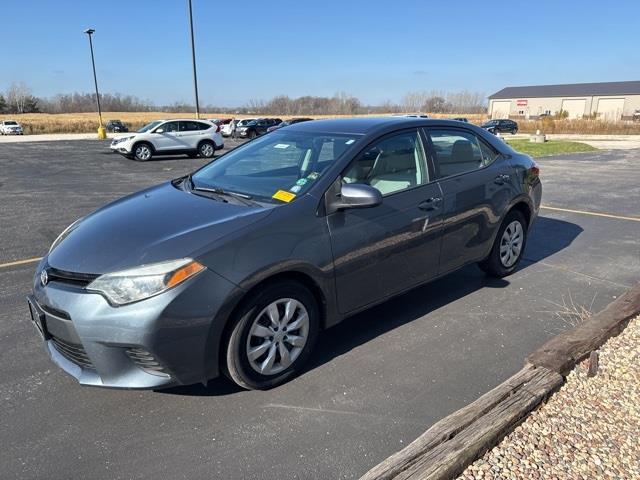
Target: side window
{"points": [[170, 127], [455, 152], [189, 126], [393, 164], [489, 155]]}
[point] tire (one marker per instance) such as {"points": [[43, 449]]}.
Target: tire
{"points": [[252, 329], [142, 152], [253, 134], [513, 132], [501, 264], [207, 149]]}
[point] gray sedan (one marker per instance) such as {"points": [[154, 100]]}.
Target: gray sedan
{"points": [[236, 267]]}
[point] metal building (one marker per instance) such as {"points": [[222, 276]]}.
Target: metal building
{"points": [[607, 101]]}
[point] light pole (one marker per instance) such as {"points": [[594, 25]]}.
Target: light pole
{"points": [[102, 134], [193, 59]]}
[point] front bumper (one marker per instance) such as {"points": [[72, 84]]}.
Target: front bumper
{"points": [[122, 147], [170, 339]]}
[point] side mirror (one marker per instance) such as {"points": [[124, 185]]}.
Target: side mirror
{"points": [[357, 195]]}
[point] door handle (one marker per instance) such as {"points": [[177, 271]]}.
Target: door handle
{"points": [[430, 203], [502, 178]]}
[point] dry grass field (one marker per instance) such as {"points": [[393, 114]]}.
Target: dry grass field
{"points": [[38, 123]]}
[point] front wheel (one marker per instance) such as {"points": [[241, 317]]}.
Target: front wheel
{"points": [[508, 246], [272, 336], [142, 152]]}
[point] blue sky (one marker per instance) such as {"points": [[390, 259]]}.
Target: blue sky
{"points": [[376, 50]]}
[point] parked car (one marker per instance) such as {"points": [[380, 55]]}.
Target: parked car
{"points": [[237, 266], [221, 121], [291, 121], [11, 127], [461, 119], [636, 116], [171, 137], [257, 127], [500, 126], [229, 130], [116, 126]]}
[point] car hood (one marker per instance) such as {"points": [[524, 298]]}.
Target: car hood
{"points": [[157, 224]]}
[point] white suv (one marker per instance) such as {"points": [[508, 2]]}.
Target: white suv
{"points": [[170, 137], [10, 127]]}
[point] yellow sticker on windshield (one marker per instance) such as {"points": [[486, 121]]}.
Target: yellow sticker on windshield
{"points": [[284, 196]]}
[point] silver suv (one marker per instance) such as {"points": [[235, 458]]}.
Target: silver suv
{"points": [[170, 137]]}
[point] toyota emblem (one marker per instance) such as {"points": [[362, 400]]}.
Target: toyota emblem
{"points": [[44, 277]]}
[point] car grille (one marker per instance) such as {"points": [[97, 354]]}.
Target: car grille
{"points": [[146, 361], [72, 352], [70, 278]]}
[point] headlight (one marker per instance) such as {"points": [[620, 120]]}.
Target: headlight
{"points": [[143, 282], [65, 233]]}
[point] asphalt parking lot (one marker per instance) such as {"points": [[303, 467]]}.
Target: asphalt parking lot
{"points": [[375, 382]]}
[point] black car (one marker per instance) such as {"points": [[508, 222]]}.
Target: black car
{"points": [[461, 119], [501, 126], [291, 121], [116, 126], [257, 127]]}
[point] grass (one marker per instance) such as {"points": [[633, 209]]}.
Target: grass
{"points": [[552, 147]]}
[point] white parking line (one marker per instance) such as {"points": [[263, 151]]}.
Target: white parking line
{"points": [[20, 262], [595, 214]]}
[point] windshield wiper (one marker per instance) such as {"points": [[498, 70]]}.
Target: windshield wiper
{"points": [[243, 197]]}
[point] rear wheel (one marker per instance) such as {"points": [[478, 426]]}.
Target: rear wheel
{"points": [[508, 247], [142, 152], [206, 149], [272, 336]]}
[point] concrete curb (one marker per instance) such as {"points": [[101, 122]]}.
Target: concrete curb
{"points": [[449, 446]]}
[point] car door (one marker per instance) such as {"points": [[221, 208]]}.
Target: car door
{"points": [[165, 137], [385, 249], [191, 132], [477, 184]]}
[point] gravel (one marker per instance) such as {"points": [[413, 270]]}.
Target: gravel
{"points": [[589, 429]]}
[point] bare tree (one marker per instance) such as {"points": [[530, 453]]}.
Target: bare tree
{"points": [[20, 99]]}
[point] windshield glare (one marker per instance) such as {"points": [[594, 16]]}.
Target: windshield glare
{"points": [[285, 162], [149, 126]]}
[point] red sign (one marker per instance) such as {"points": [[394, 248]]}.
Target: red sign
{"points": [[522, 103]]}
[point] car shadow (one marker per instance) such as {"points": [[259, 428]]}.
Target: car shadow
{"points": [[548, 236]]}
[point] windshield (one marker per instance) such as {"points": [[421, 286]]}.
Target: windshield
{"points": [[149, 126], [280, 166], [10, 123]]}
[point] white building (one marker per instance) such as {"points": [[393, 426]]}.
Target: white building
{"points": [[607, 100]]}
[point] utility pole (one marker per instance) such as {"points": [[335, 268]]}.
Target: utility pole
{"points": [[193, 59], [101, 131]]}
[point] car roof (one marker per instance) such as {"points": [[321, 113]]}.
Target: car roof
{"points": [[367, 125]]}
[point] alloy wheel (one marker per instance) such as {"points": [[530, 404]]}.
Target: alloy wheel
{"points": [[206, 150], [143, 152]]}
